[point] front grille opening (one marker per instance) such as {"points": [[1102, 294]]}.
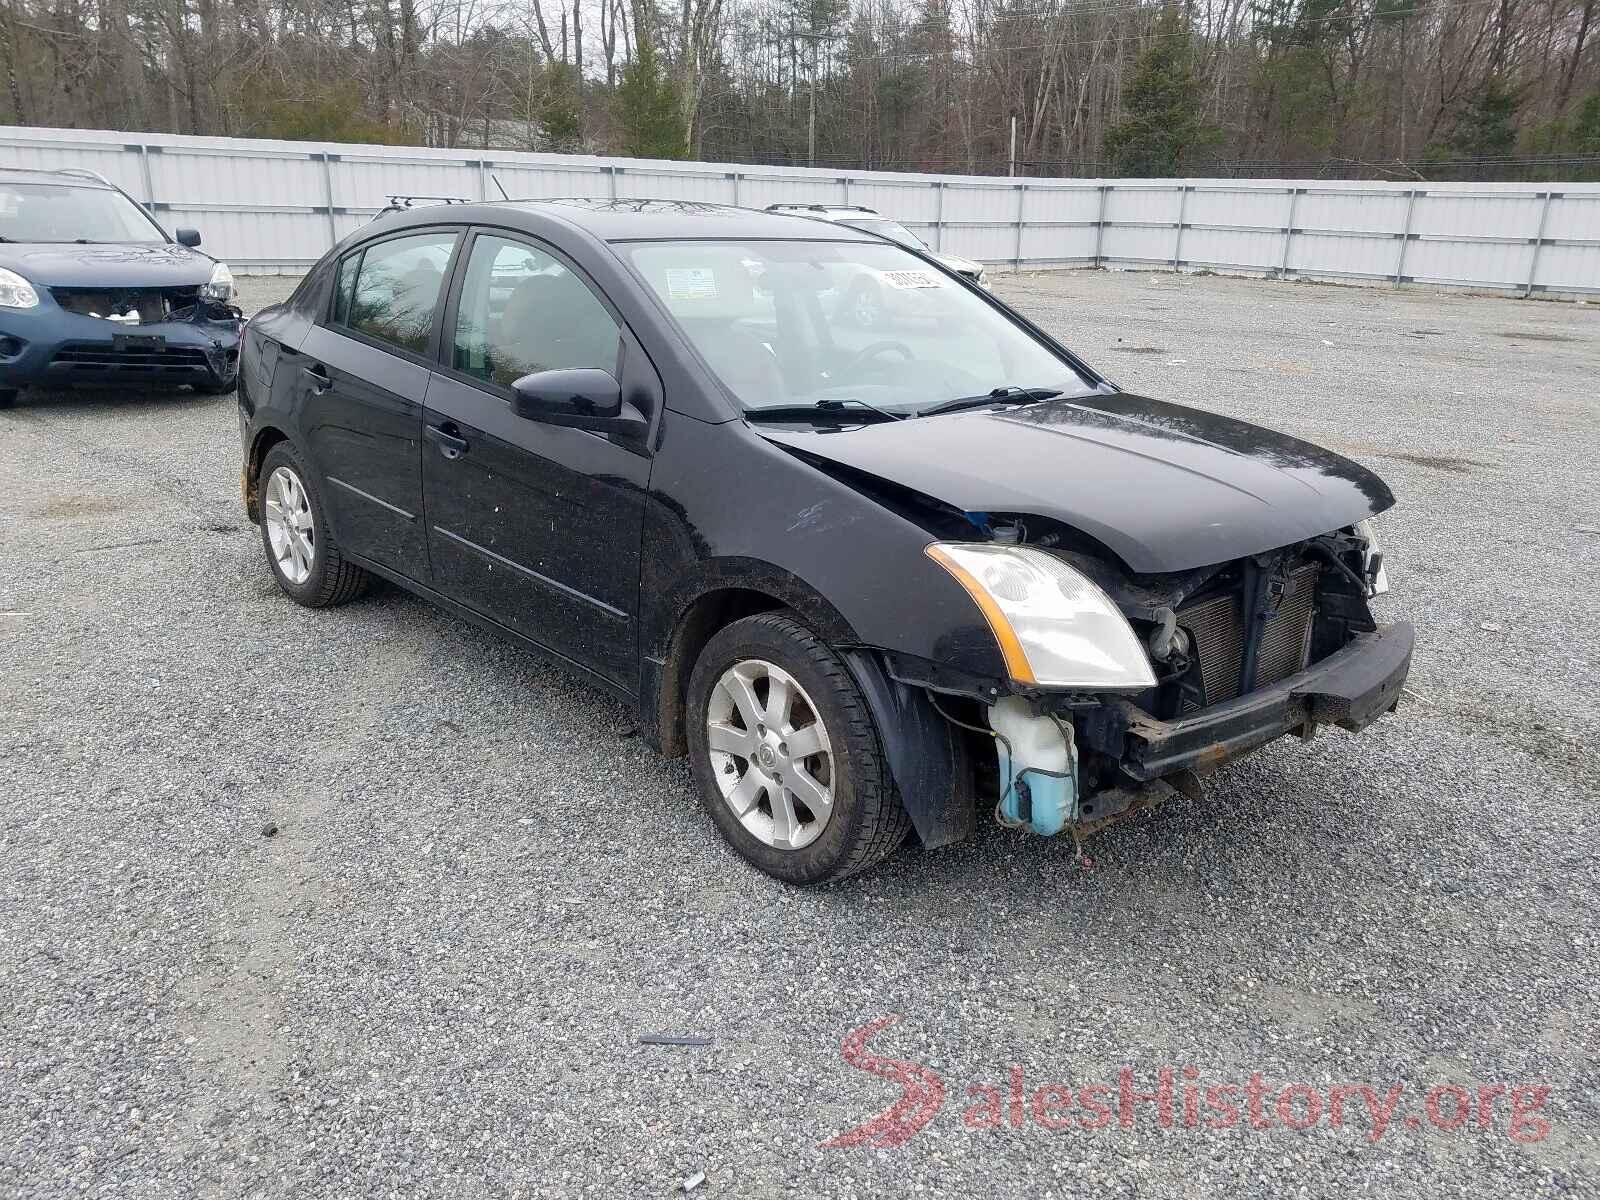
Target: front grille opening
{"points": [[136, 360], [126, 306], [1217, 629]]}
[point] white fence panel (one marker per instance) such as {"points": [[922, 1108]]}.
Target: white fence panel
{"points": [[760, 190], [270, 206], [1568, 268], [910, 202], [1381, 213], [1218, 249]]}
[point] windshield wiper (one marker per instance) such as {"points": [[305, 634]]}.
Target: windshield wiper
{"points": [[830, 408], [1000, 395]]}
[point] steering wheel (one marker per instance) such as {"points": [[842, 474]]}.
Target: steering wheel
{"points": [[866, 355]]}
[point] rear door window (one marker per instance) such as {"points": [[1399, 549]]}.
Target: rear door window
{"points": [[345, 289], [397, 289]]}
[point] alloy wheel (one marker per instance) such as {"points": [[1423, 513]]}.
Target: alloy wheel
{"points": [[770, 754], [290, 528]]}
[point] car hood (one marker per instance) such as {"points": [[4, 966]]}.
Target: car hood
{"points": [[1163, 487], [963, 266], [51, 264]]}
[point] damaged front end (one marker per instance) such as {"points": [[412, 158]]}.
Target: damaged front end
{"points": [[139, 336], [1237, 654]]}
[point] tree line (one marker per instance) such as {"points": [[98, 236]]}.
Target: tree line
{"points": [[1398, 89]]}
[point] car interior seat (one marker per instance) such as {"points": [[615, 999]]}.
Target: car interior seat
{"points": [[709, 290], [550, 322]]}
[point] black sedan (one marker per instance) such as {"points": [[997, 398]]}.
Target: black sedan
{"points": [[871, 582], [94, 292]]}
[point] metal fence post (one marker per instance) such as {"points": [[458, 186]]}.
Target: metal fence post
{"points": [[1288, 231], [1022, 199], [844, 181], [734, 175], [1538, 242], [1100, 226], [143, 152], [1177, 242], [611, 179], [938, 214], [1405, 236], [327, 191]]}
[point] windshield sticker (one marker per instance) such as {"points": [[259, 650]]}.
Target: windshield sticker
{"points": [[691, 283], [912, 279]]}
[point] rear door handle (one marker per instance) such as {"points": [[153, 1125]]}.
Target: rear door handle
{"points": [[448, 438], [318, 374]]}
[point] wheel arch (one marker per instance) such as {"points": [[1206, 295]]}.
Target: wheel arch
{"points": [[926, 758], [266, 438], [736, 591]]}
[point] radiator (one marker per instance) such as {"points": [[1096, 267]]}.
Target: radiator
{"points": [[1217, 628]]}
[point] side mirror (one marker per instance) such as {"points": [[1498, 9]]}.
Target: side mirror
{"points": [[578, 398], [187, 237]]}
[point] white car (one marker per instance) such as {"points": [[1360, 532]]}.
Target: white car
{"points": [[872, 301]]}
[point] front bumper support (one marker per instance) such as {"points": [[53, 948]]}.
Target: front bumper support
{"points": [[1350, 688]]}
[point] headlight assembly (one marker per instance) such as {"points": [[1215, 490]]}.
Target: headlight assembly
{"points": [[1054, 626], [16, 292], [220, 287], [1372, 568]]}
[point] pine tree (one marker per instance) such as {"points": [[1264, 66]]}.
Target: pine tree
{"points": [[647, 103], [1162, 119], [1487, 124], [559, 116]]}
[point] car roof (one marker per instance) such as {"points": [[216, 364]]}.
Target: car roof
{"points": [[69, 177], [632, 220]]}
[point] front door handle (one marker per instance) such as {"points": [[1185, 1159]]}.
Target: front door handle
{"points": [[318, 374], [448, 438]]}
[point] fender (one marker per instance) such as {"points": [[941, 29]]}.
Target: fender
{"points": [[926, 756]]}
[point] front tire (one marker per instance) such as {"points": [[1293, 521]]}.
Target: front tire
{"points": [[301, 551], [786, 756], [8, 397]]}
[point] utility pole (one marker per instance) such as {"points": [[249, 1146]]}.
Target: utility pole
{"points": [[577, 45], [811, 117], [814, 38]]}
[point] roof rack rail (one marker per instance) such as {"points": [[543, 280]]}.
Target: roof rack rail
{"points": [[402, 203], [84, 173], [823, 207], [79, 172]]}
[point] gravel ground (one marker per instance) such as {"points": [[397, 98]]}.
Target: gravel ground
{"points": [[431, 981]]}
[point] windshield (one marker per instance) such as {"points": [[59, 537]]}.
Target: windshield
{"points": [[64, 212], [892, 230], [795, 323]]}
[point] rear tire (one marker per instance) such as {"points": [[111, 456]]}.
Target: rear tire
{"points": [[825, 808], [8, 397], [301, 551]]}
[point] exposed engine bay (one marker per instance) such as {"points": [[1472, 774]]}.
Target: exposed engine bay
{"points": [[1227, 644], [144, 306]]}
